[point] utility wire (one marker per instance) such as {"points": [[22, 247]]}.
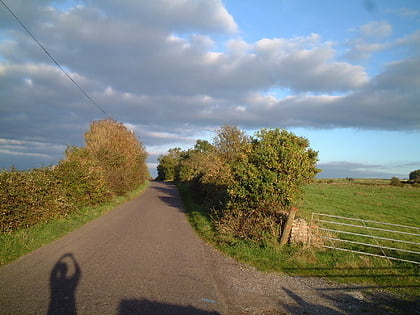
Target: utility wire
{"points": [[54, 60]]}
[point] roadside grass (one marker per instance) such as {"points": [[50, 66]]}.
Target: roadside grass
{"points": [[23, 241], [384, 203]]}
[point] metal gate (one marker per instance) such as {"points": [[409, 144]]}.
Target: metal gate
{"points": [[366, 237]]}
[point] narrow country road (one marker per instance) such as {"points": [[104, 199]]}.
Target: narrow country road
{"points": [[144, 258]]}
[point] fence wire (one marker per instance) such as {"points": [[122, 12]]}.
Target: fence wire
{"points": [[393, 245]]}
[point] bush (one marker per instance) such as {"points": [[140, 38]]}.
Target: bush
{"points": [[83, 181], [260, 226], [112, 163], [249, 183], [169, 164], [415, 176], [118, 152], [272, 175], [395, 181], [27, 198]]}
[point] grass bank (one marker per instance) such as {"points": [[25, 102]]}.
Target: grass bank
{"points": [[381, 202], [23, 241]]}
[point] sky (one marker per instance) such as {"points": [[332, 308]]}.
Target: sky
{"points": [[343, 74]]}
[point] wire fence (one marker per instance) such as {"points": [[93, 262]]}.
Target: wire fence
{"points": [[366, 237]]}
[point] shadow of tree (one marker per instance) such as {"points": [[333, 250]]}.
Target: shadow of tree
{"points": [[350, 303], [135, 306], [170, 196]]}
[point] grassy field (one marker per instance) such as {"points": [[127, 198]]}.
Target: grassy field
{"points": [[23, 241], [367, 199]]}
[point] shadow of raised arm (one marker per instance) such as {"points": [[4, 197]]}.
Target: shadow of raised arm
{"points": [[64, 279]]}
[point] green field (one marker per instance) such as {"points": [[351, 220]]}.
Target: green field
{"points": [[366, 199]]}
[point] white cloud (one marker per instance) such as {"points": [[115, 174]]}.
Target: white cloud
{"points": [[405, 12], [376, 29], [32, 154], [371, 38]]}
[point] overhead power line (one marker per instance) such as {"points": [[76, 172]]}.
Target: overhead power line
{"points": [[54, 60]]}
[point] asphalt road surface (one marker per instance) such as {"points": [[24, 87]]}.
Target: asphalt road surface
{"points": [[144, 258]]}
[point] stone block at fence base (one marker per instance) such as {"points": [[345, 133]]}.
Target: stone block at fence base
{"points": [[300, 232]]}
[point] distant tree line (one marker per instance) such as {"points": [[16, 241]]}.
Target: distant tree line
{"points": [[250, 184], [112, 162], [413, 179]]}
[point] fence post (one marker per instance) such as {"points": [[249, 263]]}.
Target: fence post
{"points": [[288, 226]]}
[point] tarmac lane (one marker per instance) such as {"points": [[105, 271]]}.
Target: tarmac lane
{"points": [[141, 258]]}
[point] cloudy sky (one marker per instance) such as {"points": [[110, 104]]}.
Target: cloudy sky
{"points": [[344, 74]]}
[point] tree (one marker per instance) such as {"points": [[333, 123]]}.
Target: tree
{"points": [[203, 146], [272, 175], [267, 182], [231, 143], [415, 175], [120, 154], [169, 164]]}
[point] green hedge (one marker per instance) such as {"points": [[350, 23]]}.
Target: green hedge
{"points": [[27, 198]]}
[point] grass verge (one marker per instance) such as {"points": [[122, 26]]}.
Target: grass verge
{"points": [[23, 241], [361, 271]]}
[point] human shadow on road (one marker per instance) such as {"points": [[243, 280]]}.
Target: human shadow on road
{"points": [[63, 283], [135, 306]]}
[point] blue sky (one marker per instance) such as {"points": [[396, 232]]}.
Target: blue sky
{"points": [[344, 74]]}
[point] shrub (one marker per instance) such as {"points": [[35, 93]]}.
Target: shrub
{"points": [[119, 153], [250, 183], [269, 180], [415, 176], [27, 198], [263, 227], [209, 177], [168, 165], [113, 162], [82, 179], [272, 175], [395, 181]]}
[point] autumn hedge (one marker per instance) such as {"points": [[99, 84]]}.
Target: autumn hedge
{"points": [[112, 162]]}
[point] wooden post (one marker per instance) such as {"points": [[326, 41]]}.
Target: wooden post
{"points": [[288, 226]]}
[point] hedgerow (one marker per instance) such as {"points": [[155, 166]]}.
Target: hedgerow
{"points": [[27, 198], [112, 163], [249, 183]]}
